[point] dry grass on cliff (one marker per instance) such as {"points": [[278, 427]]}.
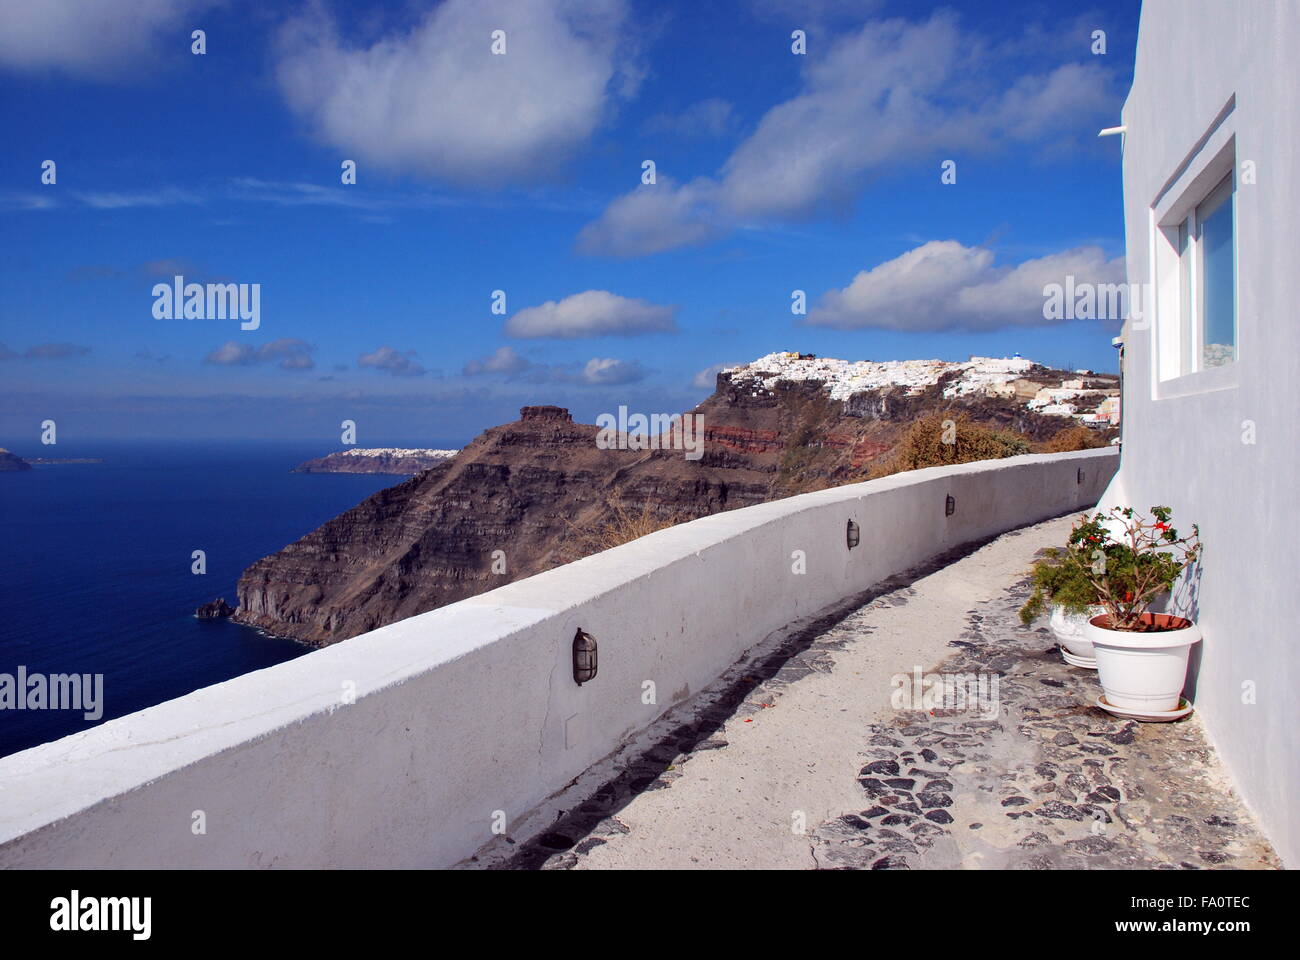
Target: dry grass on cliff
{"points": [[1075, 438], [621, 525], [945, 438]]}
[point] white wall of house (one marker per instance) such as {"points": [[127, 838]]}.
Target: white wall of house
{"points": [[398, 747], [1217, 89]]}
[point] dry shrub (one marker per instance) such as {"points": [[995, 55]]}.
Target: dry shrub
{"points": [[621, 525], [1074, 438], [923, 444]]}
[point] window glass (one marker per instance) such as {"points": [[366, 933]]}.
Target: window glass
{"points": [[1217, 300], [1186, 328]]}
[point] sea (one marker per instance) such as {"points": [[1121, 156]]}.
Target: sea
{"points": [[97, 568]]}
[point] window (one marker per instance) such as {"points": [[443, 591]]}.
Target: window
{"points": [[1207, 282], [1191, 305]]}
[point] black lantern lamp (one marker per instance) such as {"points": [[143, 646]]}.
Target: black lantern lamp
{"points": [[584, 657], [853, 535], [949, 506], [1080, 475]]}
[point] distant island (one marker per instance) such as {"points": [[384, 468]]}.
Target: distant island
{"points": [[388, 460], [12, 463], [64, 460]]}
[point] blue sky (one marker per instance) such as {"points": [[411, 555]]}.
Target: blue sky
{"points": [[522, 172]]}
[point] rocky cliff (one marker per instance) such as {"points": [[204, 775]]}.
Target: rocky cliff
{"points": [[11, 463], [541, 491], [528, 489]]}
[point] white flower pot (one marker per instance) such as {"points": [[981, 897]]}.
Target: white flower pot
{"points": [[1143, 670], [1068, 630]]}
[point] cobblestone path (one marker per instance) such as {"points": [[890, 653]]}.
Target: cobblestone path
{"points": [[1043, 780]]}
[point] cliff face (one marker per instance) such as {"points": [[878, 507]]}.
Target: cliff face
{"points": [[542, 492], [528, 489]]}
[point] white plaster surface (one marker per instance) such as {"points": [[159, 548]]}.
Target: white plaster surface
{"points": [[1187, 449]]}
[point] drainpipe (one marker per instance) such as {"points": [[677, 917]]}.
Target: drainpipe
{"points": [[1118, 344]]}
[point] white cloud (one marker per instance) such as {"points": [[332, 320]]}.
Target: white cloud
{"points": [[707, 118], [232, 354], [372, 205], [598, 371], [592, 313], [943, 285], [653, 218], [707, 378], [891, 93], [812, 13], [1036, 106], [869, 102], [27, 201], [437, 101], [608, 372], [92, 36], [291, 353], [400, 363], [1009, 291], [165, 197], [505, 360]]}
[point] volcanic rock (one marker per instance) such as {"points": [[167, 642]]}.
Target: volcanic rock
{"points": [[214, 610], [538, 492]]}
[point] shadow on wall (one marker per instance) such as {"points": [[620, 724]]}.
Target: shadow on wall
{"points": [[1186, 602]]}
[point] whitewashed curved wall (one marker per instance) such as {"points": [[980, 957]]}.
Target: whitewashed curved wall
{"points": [[472, 708]]}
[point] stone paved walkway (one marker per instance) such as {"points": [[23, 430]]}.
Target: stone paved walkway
{"points": [[799, 759]]}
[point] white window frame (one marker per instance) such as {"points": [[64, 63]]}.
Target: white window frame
{"points": [[1175, 323]]}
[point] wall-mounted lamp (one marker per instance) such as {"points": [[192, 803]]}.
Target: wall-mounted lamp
{"points": [[584, 657], [949, 506], [853, 535], [1081, 474]]}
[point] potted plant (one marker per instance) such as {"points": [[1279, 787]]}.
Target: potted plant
{"points": [[1063, 587], [1127, 561]]}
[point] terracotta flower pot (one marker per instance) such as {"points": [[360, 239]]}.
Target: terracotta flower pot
{"points": [[1143, 670]]}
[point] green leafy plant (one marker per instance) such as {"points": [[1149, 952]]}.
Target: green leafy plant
{"points": [[1057, 582], [1119, 560]]}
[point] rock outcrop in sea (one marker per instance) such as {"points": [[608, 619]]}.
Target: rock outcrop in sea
{"points": [[214, 610]]}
